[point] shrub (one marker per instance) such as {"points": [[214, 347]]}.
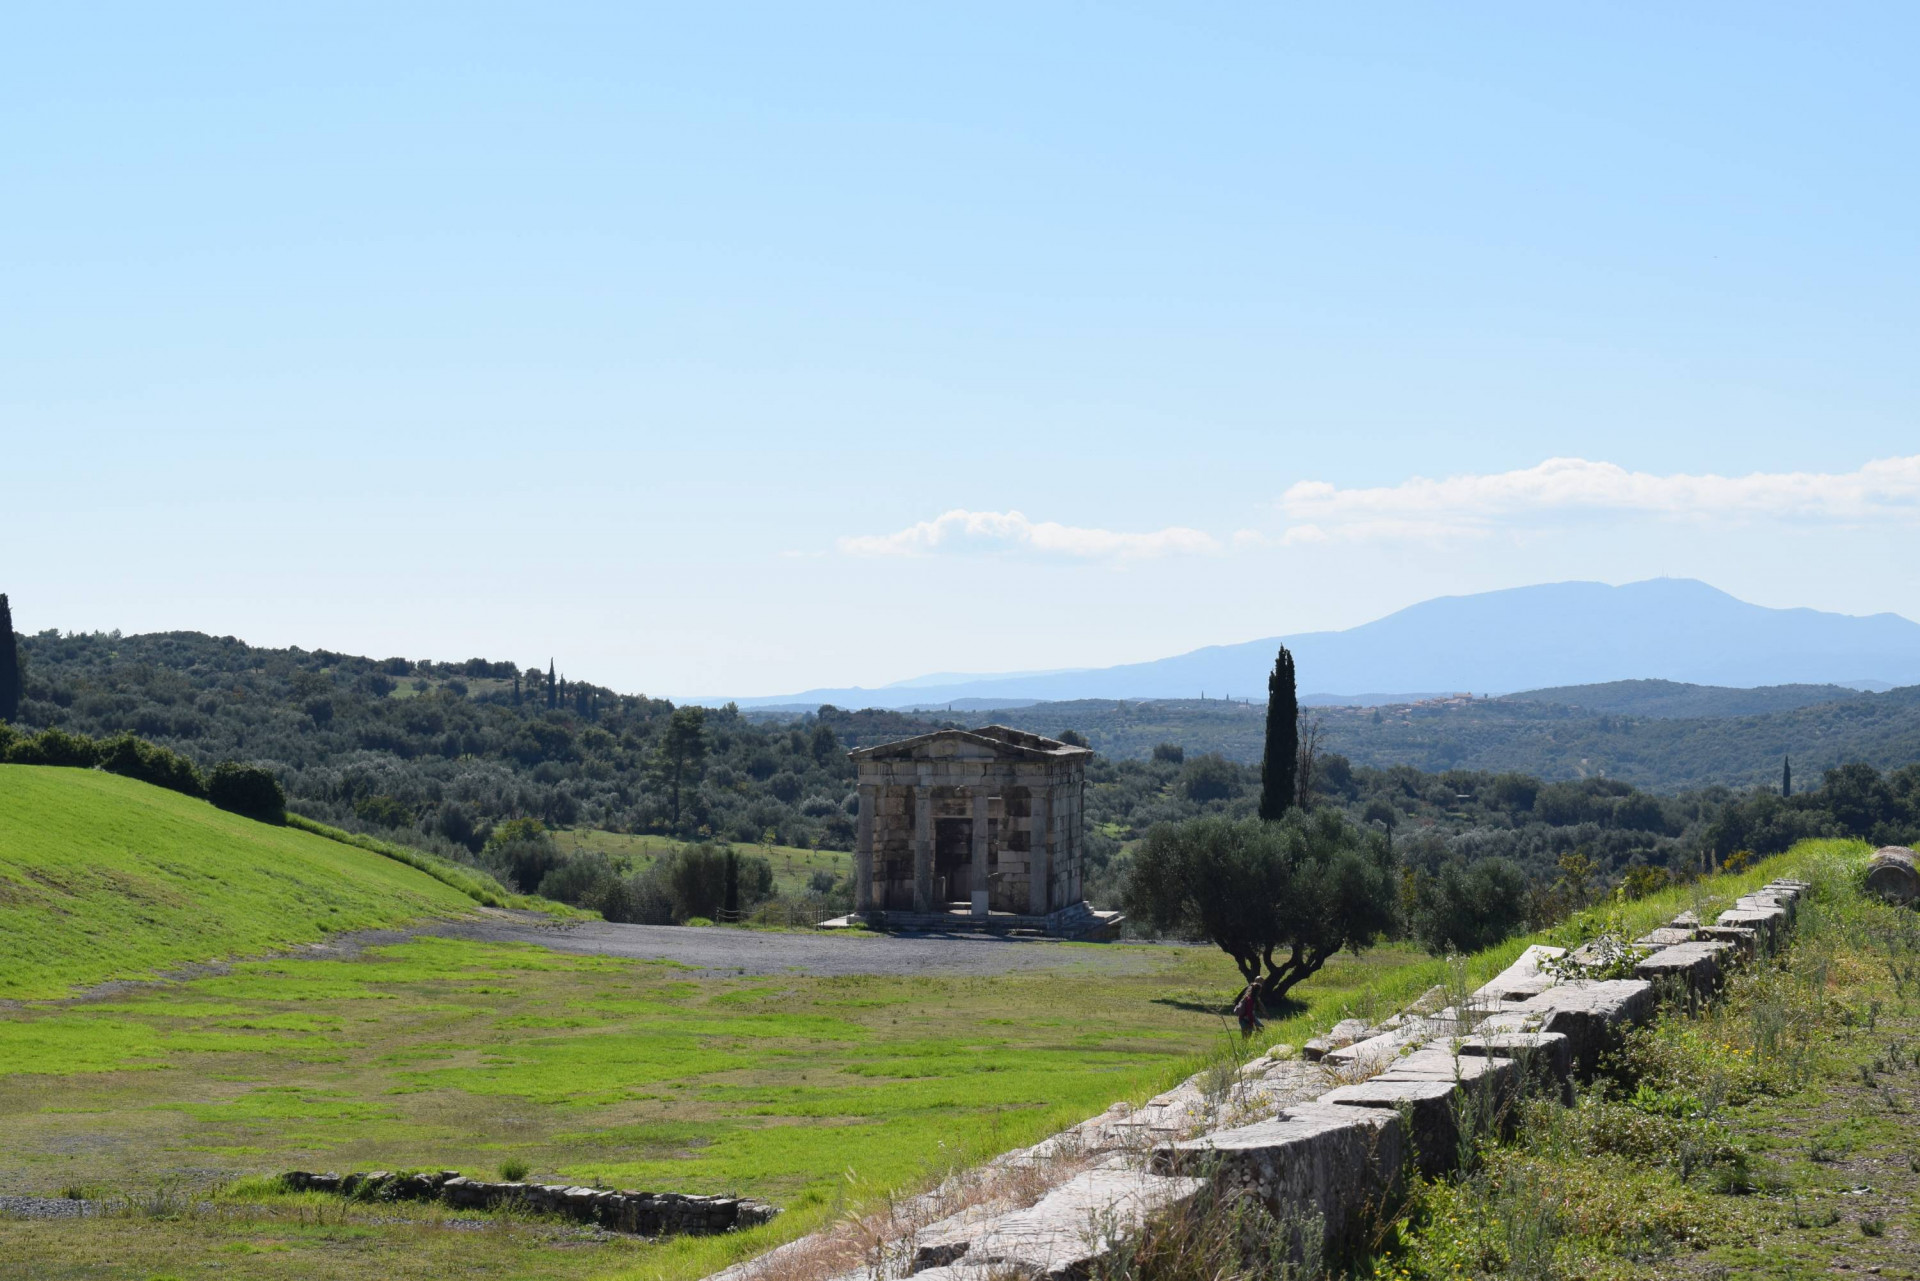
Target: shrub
{"points": [[645, 899], [513, 1169], [521, 851], [1465, 909], [1209, 778], [55, 747], [136, 758], [698, 876], [248, 790], [583, 881], [383, 811]]}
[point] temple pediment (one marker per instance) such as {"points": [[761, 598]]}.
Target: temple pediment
{"points": [[989, 743]]}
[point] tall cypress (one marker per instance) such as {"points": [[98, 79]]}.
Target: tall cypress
{"points": [[553, 689], [1280, 762], [9, 664], [516, 689], [1786, 771]]}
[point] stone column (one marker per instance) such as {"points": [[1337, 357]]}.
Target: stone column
{"points": [[1067, 836], [982, 821], [1039, 864], [923, 849], [863, 848]]}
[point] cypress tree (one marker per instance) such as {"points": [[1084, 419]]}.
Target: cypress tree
{"points": [[516, 689], [1786, 776], [553, 690], [9, 664], [1280, 763]]}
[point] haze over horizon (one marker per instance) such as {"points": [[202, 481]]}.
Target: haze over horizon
{"points": [[1500, 642], [767, 350]]}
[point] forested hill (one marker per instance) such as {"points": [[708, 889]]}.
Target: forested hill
{"points": [[442, 751], [1672, 699], [1552, 740], [439, 755], [1658, 753]]}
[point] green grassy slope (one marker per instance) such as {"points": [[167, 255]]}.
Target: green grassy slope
{"points": [[102, 877]]}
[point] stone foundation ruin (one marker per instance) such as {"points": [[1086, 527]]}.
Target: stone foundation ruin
{"points": [[974, 829], [651, 1214]]}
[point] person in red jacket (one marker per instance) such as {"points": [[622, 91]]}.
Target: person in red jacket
{"points": [[1248, 1008]]}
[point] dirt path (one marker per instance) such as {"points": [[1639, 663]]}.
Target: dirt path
{"points": [[736, 951]]}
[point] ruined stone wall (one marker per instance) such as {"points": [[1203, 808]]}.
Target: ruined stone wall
{"points": [[643, 1213]]}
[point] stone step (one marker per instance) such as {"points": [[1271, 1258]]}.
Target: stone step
{"points": [[1526, 977], [1060, 1235], [1588, 1012], [1699, 966], [1549, 1051], [1313, 1159]]}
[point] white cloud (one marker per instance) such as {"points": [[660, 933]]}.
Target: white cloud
{"points": [[966, 531], [1879, 492]]}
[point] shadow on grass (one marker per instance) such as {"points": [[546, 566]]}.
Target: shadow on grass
{"points": [[1284, 1008]]}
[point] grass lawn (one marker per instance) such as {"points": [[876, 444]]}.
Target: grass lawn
{"points": [[809, 1091], [103, 877], [453, 1054], [792, 865]]}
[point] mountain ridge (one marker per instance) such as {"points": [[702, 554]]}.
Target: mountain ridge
{"points": [[1545, 636]]}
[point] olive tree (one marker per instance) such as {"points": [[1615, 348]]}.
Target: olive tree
{"points": [[1281, 898], [1469, 907]]}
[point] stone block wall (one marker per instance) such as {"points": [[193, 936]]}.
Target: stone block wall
{"points": [[650, 1214]]}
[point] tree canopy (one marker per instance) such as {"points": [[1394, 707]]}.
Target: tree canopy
{"points": [[1469, 906], [1279, 763], [1281, 898], [9, 664]]}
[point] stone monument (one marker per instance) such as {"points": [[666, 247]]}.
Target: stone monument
{"points": [[974, 829]]}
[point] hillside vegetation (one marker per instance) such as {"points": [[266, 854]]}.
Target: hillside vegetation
{"points": [[1655, 735], [102, 877], [570, 790], [438, 754], [1675, 699]]}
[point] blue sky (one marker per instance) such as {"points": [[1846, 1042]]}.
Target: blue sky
{"points": [[666, 340]]}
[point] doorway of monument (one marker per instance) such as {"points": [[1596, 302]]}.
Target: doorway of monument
{"points": [[896, 885], [952, 860]]}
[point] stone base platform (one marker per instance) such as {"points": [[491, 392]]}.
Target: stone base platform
{"points": [[1080, 921]]}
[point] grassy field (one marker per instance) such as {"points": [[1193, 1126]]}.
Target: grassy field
{"points": [[792, 865], [812, 1092], [634, 1074], [102, 877]]}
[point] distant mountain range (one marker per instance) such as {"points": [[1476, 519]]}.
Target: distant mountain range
{"points": [[1525, 638]]}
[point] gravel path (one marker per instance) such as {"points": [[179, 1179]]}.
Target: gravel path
{"points": [[43, 1207], [731, 951]]}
